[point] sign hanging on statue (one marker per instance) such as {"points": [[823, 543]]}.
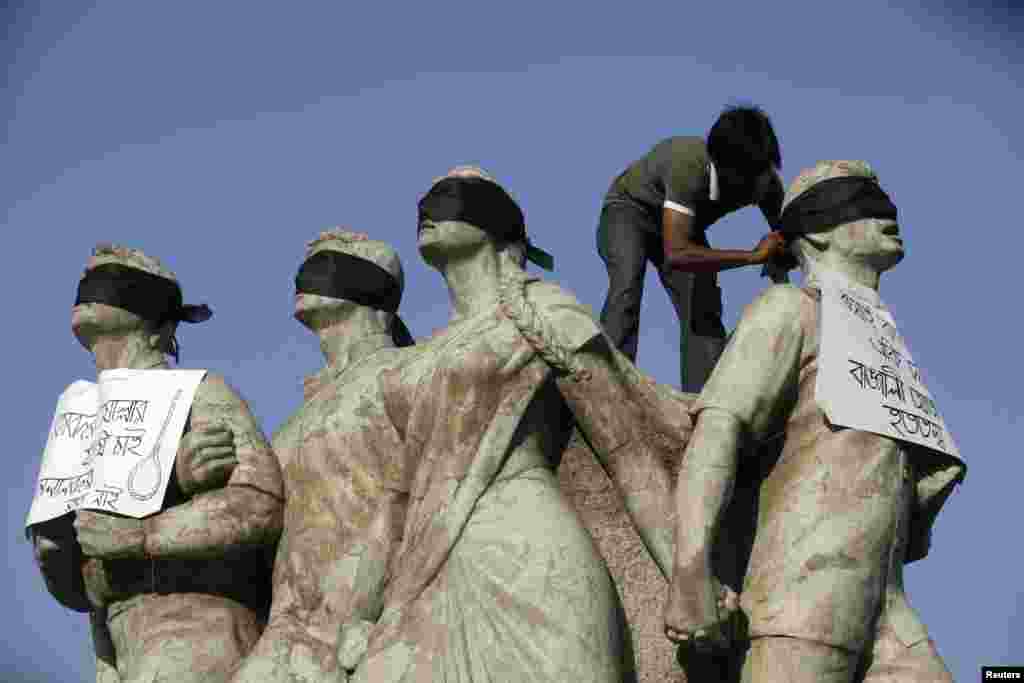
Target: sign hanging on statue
{"points": [[867, 379], [112, 444]]}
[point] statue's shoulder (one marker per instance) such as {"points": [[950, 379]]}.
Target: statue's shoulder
{"points": [[286, 434], [779, 305], [215, 385], [549, 292], [215, 389], [552, 313], [216, 398]]}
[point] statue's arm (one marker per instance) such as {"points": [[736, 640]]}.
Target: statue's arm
{"points": [[636, 427], [937, 478], [745, 400], [106, 659], [59, 558], [373, 550], [367, 564], [703, 491], [247, 511]]}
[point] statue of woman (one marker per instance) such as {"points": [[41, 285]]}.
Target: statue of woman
{"points": [[496, 577]]}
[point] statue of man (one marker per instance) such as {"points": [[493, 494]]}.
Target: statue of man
{"points": [[344, 475], [838, 510], [180, 595]]}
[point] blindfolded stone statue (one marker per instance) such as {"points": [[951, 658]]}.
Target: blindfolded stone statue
{"points": [[838, 510], [496, 578], [179, 595], [344, 473]]}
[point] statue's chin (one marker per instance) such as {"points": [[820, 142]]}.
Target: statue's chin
{"points": [[432, 253], [890, 260]]}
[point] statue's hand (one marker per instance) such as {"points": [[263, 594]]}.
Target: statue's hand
{"points": [[52, 541], [206, 458], [110, 537], [353, 641], [701, 613]]}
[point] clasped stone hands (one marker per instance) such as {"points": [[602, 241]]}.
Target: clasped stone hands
{"points": [[701, 615], [205, 460], [206, 457]]}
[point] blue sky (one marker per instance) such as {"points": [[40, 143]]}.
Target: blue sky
{"points": [[220, 137]]}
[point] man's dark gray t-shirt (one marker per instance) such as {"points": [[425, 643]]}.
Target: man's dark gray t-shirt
{"points": [[678, 171]]}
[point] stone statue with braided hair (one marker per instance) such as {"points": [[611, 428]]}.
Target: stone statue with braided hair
{"points": [[496, 577], [180, 595]]}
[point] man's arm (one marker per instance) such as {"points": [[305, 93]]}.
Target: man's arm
{"points": [[682, 252]]}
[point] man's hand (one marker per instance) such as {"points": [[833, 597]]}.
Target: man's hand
{"points": [[206, 458], [701, 614], [110, 537], [771, 245]]}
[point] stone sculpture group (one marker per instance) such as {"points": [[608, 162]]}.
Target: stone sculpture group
{"points": [[511, 499]]}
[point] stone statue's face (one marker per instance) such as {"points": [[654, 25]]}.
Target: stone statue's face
{"points": [[441, 242], [316, 311], [92, 321], [875, 241]]}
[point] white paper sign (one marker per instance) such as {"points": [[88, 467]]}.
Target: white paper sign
{"points": [[867, 379], [112, 445]]}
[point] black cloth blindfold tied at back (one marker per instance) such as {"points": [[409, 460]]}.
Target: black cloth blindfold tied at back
{"points": [[151, 297], [484, 204], [343, 276], [148, 296], [836, 201]]}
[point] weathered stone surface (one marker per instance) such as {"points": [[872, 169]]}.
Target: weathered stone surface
{"points": [[641, 586], [180, 595], [837, 508]]}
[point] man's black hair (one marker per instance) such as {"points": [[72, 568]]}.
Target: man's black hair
{"points": [[743, 140]]}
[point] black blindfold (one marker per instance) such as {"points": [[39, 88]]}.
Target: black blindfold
{"points": [[339, 275], [485, 205], [151, 297], [836, 201]]}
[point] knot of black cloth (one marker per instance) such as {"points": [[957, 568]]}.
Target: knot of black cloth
{"points": [[154, 298]]}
